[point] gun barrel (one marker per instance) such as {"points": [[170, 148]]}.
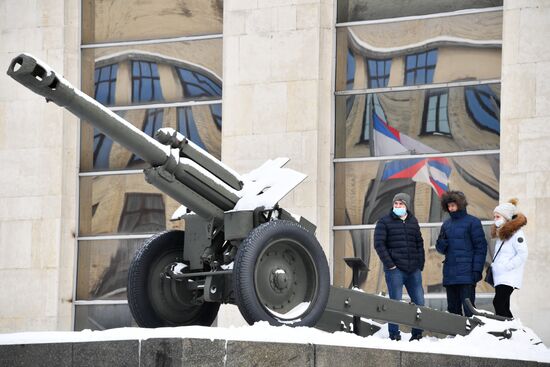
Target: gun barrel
{"points": [[38, 77]]}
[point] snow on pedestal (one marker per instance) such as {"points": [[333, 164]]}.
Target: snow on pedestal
{"points": [[524, 343]]}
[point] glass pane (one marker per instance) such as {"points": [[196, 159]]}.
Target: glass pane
{"points": [[98, 152], [153, 73], [447, 49], [129, 20], [364, 190], [357, 10], [359, 243], [101, 317], [483, 104], [123, 204], [197, 85], [103, 268], [420, 76], [396, 127]]}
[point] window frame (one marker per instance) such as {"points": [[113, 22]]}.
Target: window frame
{"points": [[437, 94], [425, 67]]}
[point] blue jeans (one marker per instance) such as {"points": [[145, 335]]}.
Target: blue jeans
{"points": [[396, 279]]}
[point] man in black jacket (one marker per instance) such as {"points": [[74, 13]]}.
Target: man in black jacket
{"points": [[399, 244]]}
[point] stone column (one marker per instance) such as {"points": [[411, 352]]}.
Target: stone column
{"points": [[525, 147], [38, 151], [278, 95]]}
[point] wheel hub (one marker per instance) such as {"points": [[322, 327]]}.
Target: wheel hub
{"points": [[279, 280]]}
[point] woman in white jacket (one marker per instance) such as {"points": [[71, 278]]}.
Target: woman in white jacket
{"points": [[510, 254]]}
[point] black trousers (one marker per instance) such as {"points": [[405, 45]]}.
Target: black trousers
{"points": [[502, 300], [457, 294]]}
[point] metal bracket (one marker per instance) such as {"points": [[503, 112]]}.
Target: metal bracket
{"points": [[360, 304]]}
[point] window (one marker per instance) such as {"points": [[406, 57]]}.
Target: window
{"points": [[420, 67], [153, 122], [188, 127], [105, 83], [142, 213], [132, 78], [378, 72], [197, 85], [415, 134], [436, 117], [145, 82], [483, 106]]}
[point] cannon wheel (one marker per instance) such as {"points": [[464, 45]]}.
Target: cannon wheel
{"points": [[281, 275], [156, 301]]}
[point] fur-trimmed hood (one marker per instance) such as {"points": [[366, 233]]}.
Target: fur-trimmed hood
{"points": [[509, 228], [453, 197]]}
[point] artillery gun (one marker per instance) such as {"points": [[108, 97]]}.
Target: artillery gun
{"points": [[239, 246]]}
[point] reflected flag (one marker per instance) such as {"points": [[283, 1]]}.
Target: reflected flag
{"points": [[390, 141], [433, 171]]}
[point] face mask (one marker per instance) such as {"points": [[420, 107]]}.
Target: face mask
{"points": [[499, 222], [399, 211]]}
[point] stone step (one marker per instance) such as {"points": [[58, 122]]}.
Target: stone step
{"points": [[172, 352]]}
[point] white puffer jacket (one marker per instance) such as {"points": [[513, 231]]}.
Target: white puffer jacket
{"points": [[510, 262]]}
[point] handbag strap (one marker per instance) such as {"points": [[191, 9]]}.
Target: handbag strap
{"points": [[500, 248]]}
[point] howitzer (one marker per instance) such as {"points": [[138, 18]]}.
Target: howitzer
{"points": [[238, 245]]}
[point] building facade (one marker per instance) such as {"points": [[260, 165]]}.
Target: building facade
{"points": [[368, 98]]}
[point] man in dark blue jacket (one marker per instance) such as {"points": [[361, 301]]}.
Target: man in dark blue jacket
{"points": [[399, 244], [463, 243]]}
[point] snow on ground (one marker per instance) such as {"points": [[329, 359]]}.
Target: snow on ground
{"points": [[523, 344]]}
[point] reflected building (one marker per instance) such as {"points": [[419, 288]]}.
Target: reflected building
{"points": [[174, 81], [417, 111]]}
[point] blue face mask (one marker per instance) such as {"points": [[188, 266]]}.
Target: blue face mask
{"points": [[400, 211]]}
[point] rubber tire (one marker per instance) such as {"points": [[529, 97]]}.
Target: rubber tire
{"points": [[252, 247], [139, 302]]}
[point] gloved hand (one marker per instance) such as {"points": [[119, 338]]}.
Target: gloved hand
{"points": [[477, 276]]}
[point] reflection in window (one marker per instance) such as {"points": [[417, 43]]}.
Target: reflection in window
{"points": [[188, 127], [474, 181], [216, 111], [483, 106], [349, 104], [378, 72], [105, 83], [101, 317], [350, 70], [142, 213], [197, 85], [436, 212], [153, 122], [145, 82], [365, 132], [436, 117], [373, 110], [110, 283], [102, 150], [420, 67]]}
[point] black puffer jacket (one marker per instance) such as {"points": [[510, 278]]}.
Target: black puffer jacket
{"points": [[399, 242]]}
